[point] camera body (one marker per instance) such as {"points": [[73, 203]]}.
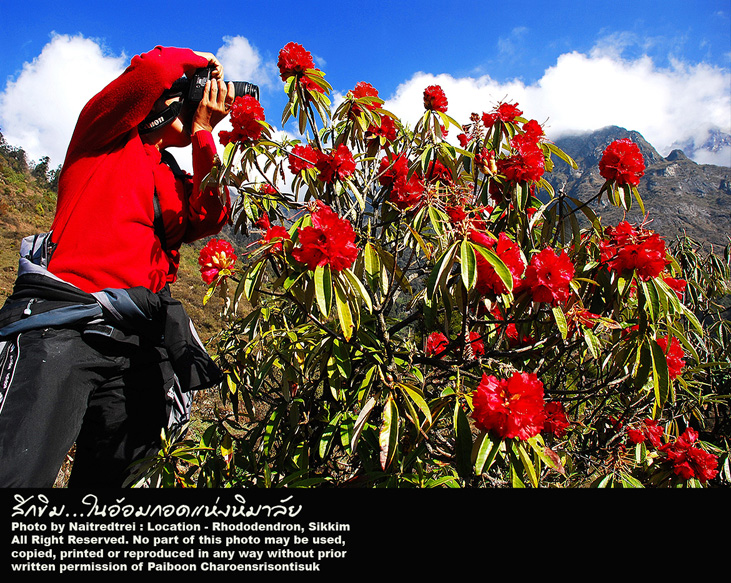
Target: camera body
{"points": [[190, 91], [201, 76]]}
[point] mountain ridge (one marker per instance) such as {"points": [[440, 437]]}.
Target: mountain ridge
{"points": [[680, 196]]}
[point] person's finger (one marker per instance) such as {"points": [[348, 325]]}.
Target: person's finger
{"points": [[212, 91]]}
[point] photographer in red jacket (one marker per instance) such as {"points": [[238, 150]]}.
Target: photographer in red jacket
{"points": [[75, 367]]}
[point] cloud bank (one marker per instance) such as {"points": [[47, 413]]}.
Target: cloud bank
{"points": [[585, 92], [679, 104]]}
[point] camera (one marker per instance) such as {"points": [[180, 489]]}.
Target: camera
{"points": [[201, 76], [190, 92]]}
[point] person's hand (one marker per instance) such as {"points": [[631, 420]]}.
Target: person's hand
{"points": [[215, 105], [216, 67]]}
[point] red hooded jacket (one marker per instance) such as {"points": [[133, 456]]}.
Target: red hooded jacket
{"points": [[103, 226]]}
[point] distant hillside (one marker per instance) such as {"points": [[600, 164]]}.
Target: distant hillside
{"points": [[679, 194]]}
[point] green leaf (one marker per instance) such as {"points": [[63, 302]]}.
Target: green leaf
{"points": [[415, 395], [252, 282], [345, 315], [527, 464], [485, 450], [328, 437], [388, 436], [441, 270], [468, 264], [359, 288], [500, 268], [323, 289], [361, 421], [463, 446], [560, 319]]}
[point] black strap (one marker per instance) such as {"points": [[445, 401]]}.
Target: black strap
{"points": [[158, 222], [172, 163]]}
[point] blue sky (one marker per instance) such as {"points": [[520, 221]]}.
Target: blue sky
{"points": [[576, 65]]}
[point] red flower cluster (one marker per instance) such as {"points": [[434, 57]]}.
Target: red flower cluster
{"points": [[294, 60], [511, 408], [478, 346], [386, 128], [690, 461], [363, 89], [622, 162], [302, 158], [216, 258], [435, 99], [436, 343], [631, 249], [275, 233], [506, 112], [406, 192], [673, 354], [337, 165], [485, 162], [527, 164], [677, 285], [556, 421], [438, 172], [329, 241], [548, 277], [650, 430], [246, 112], [488, 281]]}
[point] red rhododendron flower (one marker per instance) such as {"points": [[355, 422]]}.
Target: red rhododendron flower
{"points": [[329, 241], [391, 167], [556, 421], [548, 276], [406, 192], [510, 408], [246, 112], [622, 162], [337, 165], [464, 139], [674, 355], [436, 343], [217, 257], [363, 89], [478, 346], [505, 112], [438, 172], [526, 165], [485, 162], [629, 249], [435, 99], [386, 129], [533, 131], [294, 60], [649, 430], [302, 158], [677, 285], [690, 461], [273, 233], [488, 281]]}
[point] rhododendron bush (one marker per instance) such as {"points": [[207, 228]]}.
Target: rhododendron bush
{"points": [[422, 308]]}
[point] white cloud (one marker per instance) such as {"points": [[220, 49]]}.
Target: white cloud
{"points": [[38, 110], [584, 92], [242, 62]]}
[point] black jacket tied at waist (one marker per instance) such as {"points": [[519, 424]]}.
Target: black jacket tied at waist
{"points": [[42, 300]]}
